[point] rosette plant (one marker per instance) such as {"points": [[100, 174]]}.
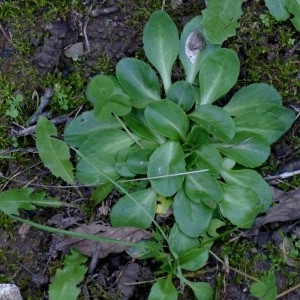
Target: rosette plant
{"points": [[183, 148]]}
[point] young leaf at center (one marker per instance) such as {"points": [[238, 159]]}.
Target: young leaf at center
{"points": [[168, 119], [166, 160]]}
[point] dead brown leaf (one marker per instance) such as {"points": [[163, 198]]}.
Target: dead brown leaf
{"points": [[287, 208], [89, 247], [128, 275]]}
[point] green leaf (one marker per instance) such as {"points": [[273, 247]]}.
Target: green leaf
{"points": [[109, 141], [202, 187], [270, 123], [209, 158], [121, 166], [166, 160], [192, 218], [168, 119], [64, 285], [101, 192], [127, 212], [213, 226], [194, 48], [136, 121], [277, 9], [94, 168], [202, 290], [218, 74], [163, 289], [138, 79], [256, 96], [137, 161], [180, 242], [240, 205], [215, 120], [252, 180], [14, 199], [293, 7], [54, 153], [85, 125], [161, 44], [198, 136], [183, 94], [193, 259], [105, 93], [246, 148], [220, 19], [266, 288]]}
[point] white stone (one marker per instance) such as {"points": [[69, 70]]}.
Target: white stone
{"points": [[9, 292]]}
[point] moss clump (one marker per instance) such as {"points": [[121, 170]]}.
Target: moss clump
{"points": [[267, 50]]}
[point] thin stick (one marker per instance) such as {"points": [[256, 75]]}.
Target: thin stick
{"points": [[5, 35], [288, 291], [283, 175], [231, 268]]}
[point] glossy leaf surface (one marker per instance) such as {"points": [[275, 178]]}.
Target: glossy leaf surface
{"points": [[194, 47], [179, 241], [168, 119], [105, 93], [252, 180], [138, 79], [161, 44], [209, 158], [278, 9], [94, 168], [240, 205], [201, 187], [83, 126], [215, 120], [166, 160], [109, 141], [270, 123], [253, 97], [192, 218], [127, 212], [218, 74], [246, 148], [136, 121], [183, 94]]}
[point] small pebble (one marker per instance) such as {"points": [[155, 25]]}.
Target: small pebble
{"points": [[9, 292]]}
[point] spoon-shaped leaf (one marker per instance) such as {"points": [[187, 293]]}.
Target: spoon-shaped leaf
{"points": [[161, 44], [138, 79], [168, 119], [166, 160], [218, 74]]}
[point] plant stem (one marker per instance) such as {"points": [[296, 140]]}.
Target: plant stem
{"points": [[288, 291]]}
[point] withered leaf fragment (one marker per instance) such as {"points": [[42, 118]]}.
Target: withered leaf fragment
{"points": [[89, 247]]}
